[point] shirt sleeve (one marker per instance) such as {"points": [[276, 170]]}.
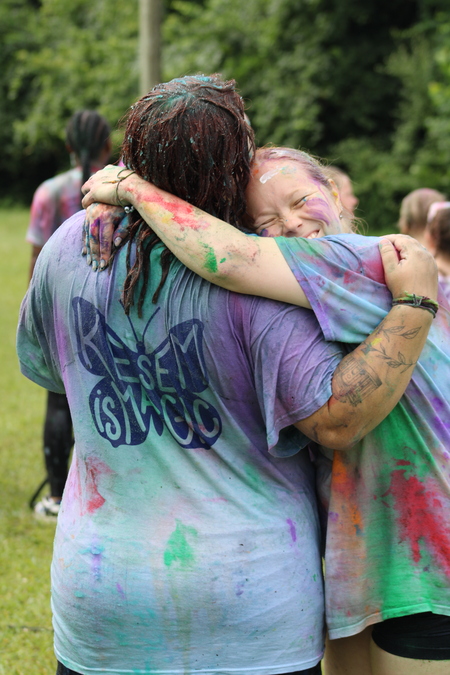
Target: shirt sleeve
{"points": [[36, 335], [343, 279], [293, 366]]}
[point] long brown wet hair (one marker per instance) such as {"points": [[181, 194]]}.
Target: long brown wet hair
{"points": [[190, 138]]}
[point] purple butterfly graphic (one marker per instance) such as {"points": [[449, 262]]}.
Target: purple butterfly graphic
{"points": [[139, 388]]}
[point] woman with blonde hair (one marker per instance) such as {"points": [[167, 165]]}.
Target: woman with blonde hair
{"points": [[414, 212]]}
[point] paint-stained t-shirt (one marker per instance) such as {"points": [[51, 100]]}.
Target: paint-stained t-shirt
{"points": [[187, 540], [444, 284], [388, 536], [55, 200]]}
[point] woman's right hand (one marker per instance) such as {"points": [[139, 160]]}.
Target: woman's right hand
{"points": [[103, 226], [408, 267]]}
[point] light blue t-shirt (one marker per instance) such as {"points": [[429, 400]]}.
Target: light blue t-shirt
{"points": [[186, 542], [388, 531]]}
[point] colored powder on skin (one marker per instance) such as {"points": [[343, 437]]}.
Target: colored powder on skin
{"points": [[273, 172], [421, 518], [268, 175], [178, 549], [182, 212], [210, 259]]}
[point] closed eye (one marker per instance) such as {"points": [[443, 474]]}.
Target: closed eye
{"points": [[302, 200], [266, 223]]}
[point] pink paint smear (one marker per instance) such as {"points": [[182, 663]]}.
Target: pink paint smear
{"points": [[182, 213]]}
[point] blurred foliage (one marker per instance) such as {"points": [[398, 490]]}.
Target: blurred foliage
{"points": [[363, 85], [61, 56]]}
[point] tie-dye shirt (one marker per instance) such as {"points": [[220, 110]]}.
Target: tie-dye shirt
{"points": [[55, 200], [187, 540], [388, 537], [444, 283]]}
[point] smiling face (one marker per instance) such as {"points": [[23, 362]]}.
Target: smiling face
{"points": [[283, 200]]}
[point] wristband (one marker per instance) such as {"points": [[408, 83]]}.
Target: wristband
{"points": [[420, 301]]}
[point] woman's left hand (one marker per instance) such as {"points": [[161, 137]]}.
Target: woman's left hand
{"points": [[103, 186], [408, 267]]}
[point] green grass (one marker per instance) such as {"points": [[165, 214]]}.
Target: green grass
{"points": [[26, 638]]}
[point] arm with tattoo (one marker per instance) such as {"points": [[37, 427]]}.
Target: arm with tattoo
{"points": [[370, 381]]}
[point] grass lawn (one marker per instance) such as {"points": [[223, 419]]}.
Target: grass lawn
{"points": [[25, 544]]}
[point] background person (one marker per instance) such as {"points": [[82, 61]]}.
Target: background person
{"points": [[437, 241], [185, 541], [55, 200], [388, 540], [414, 211]]}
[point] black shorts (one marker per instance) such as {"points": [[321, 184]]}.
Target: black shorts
{"points": [[423, 636], [62, 670]]}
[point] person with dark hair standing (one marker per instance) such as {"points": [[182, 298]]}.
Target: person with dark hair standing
{"points": [[55, 200], [188, 537]]}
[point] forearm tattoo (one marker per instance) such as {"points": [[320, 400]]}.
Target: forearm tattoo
{"points": [[354, 380]]}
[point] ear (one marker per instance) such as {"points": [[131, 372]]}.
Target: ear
{"points": [[335, 193]]}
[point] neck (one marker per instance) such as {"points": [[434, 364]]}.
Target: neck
{"points": [[443, 264]]}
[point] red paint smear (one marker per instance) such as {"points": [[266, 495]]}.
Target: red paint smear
{"points": [[182, 212], [349, 276], [94, 468], [419, 518]]}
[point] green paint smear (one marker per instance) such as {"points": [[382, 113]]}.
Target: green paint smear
{"points": [[178, 549], [253, 477], [223, 260], [210, 259]]}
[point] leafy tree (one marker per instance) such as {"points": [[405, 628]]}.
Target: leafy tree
{"points": [[416, 150], [364, 85], [14, 35], [72, 55], [347, 81]]}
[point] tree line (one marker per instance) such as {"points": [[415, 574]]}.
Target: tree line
{"points": [[364, 85]]}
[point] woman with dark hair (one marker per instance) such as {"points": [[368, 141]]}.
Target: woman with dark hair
{"points": [[388, 540], [182, 544], [188, 537], [168, 137], [55, 200]]}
